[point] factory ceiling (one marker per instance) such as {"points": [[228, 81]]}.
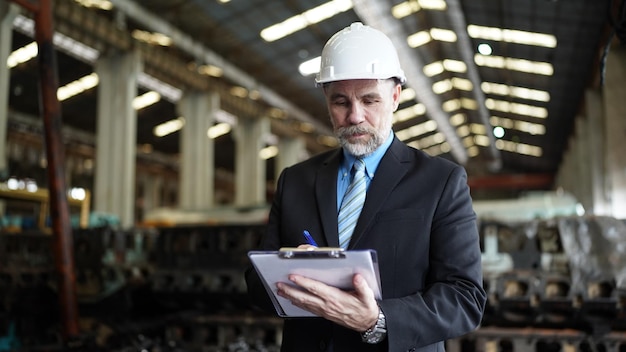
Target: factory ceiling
{"points": [[472, 66]]}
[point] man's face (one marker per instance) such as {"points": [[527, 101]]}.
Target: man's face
{"points": [[361, 112]]}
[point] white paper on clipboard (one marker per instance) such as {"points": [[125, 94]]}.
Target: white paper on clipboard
{"points": [[334, 267]]}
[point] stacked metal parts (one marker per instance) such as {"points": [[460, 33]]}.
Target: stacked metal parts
{"points": [[554, 285]]}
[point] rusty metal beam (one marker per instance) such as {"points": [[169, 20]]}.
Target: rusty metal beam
{"points": [[55, 155], [512, 181]]}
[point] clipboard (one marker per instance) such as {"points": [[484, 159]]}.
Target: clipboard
{"points": [[333, 266]]}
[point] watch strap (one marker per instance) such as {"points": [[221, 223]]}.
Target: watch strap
{"points": [[378, 332]]}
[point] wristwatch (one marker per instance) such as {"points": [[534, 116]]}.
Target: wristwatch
{"points": [[378, 332]]}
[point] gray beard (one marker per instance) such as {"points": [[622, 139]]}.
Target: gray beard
{"points": [[360, 149]]}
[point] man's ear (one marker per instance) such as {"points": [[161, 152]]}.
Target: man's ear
{"points": [[396, 96]]}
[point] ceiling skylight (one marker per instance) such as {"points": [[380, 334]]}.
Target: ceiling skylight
{"points": [[449, 65], [310, 67], [516, 92], [169, 127], [407, 8], [523, 126], [511, 36], [521, 65], [416, 130], [516, 108], [305, 19], [409, 113], [519, 148], [423, 37], [146, 100], [78, 86]]}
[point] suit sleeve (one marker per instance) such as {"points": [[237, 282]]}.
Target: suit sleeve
{"points": [[452, 301]]}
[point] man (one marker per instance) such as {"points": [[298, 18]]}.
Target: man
{"points": [[417, 215]]}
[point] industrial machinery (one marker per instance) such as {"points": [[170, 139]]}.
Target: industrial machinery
{"points": [[555, 284]]}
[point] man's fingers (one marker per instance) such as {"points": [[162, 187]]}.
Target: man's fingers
{"points": [[361, 288]]}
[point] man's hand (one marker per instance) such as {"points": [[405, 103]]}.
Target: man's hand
{"points": [[356, 310]]}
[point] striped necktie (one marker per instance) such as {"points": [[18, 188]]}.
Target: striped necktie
{"points": [[351, 204]]}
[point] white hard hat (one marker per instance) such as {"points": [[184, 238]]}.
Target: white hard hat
{"points": [[359, 52]]}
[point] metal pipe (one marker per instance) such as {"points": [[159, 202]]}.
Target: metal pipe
{"points": [[459, 25], [59, 210]]}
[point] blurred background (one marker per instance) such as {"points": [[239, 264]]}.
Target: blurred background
{"points": [[140, 142]]}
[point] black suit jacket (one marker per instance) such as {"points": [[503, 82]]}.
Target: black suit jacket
{"points": [[418, 216]]}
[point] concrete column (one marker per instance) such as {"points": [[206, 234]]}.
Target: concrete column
{"points": [[116, 138], [614, 93], [197, 168], [567, 168], [8, 12], [597, 153], [290, 151], [250, 137], [152, 192], [582, 187]]}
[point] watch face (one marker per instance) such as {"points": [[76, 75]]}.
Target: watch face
{"points": [[374, 336], [378, 332]]}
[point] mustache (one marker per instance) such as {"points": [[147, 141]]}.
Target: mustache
{"points": [[346, 132]]}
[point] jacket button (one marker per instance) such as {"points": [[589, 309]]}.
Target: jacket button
{"points": [[322, 345]]}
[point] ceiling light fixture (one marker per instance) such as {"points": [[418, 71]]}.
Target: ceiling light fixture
{"points": [[443, 35], [516, 92], [240, 92], [305, 19], [520, 148], [457, 119], [310, 67], [498, 132], [512, 36], [418, 39], [146, 100], [521, 65], [449, 65], [210, 70], [268, 152], [98, 4], [417, 130], [169, 127], [485, 49], [152, 38], [409, 113], [516, 108], [407, 94], [407, 8], [22, 55], [522, 126], [481, 140], [78, 86], [428, 141], [219, 129]]}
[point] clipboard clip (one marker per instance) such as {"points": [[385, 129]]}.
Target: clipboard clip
{"points": [[316, 253]]}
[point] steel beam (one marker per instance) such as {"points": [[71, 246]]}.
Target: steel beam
{"points": [[55, 155]]}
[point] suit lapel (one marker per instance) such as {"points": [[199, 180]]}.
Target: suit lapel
{"points": [[326, 194], [392, 168]]}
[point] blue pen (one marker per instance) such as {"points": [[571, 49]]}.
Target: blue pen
{"points": [[308, 238]]}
